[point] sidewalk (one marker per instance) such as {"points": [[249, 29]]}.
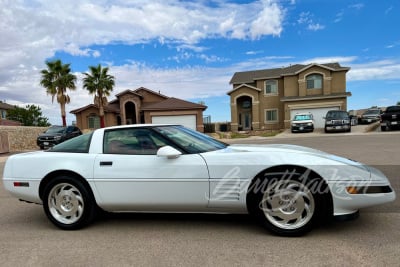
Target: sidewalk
{"points": [[4, 157]]}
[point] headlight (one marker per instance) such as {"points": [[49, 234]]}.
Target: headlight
{"points": [[309, 124], [58, 137], [346, 121], [329, 122]]}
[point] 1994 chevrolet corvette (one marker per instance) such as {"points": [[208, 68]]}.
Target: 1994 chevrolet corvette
{"points": [[169, 168]]}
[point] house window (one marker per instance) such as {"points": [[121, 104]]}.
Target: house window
{"points": [[314, 81], [93, 121], [271, 87], [271, 115], [3, 114]]}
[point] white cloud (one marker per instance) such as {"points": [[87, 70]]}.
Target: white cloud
{"points": [[315, 27], [357, 6], [306, 18], [33, 31], [377, 70]]}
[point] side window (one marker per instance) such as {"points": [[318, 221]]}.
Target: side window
{"points": [[271, 115], [132, 141]]}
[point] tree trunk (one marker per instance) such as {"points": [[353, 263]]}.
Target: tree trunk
{"points": [[101, 114], [64, 121], [102, 124]]}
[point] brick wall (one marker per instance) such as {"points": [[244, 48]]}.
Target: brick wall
{"points": [[19, 138]]}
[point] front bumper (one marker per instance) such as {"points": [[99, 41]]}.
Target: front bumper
{"points": [[369, 120], [302, 128], [48, 143], [337, 128], [351, 195]]}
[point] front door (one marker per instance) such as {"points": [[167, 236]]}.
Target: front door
{"points": [[246, 121], [129, 176]]}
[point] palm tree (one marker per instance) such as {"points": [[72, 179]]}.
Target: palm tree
{"points": [[100, 84], [57, 79]]}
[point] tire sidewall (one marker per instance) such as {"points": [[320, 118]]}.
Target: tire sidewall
{"points": [[254, 206], [88, 200]]}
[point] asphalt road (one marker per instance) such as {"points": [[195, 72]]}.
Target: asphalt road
{"points": [[27, 238]]}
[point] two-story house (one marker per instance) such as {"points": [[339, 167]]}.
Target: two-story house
{"points": [[269, 99]]}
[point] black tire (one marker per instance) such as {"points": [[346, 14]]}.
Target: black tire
{"points": [[383, 128], [68, 203], [289, 202]]}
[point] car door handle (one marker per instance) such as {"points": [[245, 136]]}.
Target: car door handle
{"points": [[106, 163]]}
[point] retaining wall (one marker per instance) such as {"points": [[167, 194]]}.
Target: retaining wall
{"points": [[19, 138]]}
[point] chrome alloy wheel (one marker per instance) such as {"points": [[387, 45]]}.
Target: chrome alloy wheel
{"points": [[288, 204], [66, 203]]}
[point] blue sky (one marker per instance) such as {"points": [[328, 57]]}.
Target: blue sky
{"points": [[191, 49]]}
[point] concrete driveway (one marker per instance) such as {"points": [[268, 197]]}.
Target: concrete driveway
{"points": [[355, 130]]}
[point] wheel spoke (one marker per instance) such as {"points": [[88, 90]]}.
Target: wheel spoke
{"points": [[66, 203], [288, 204]]}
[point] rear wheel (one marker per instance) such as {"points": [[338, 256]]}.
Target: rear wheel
{"points": [[289, 203], [68, 203]]}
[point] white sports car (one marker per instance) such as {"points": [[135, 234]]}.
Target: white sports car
{"points": [[169, 168]]}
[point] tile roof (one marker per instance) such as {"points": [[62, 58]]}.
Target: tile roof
{"points": [[251, 76], [173, 103], [170, 103], [6, 106], [150, 91], [111, 107]]}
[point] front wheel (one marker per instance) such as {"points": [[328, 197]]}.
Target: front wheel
{"points": [[289, 203], [68, 203]]}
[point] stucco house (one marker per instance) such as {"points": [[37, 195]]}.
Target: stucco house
{"points": [[142, 106], [269, 99], [4, 108]]}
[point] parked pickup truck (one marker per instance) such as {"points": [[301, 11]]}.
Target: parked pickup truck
{"points": [[390, 118]]}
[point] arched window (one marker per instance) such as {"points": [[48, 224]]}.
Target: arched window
{"points": [[271, 87], [314, 81]]}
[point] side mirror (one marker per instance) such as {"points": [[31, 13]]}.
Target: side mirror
{"points": [[168, 152]]}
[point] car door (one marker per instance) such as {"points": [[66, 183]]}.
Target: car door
{"points": [[129, 176]]}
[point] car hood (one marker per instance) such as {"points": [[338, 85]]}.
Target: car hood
{"points": [[304, 121], [285, 148]]}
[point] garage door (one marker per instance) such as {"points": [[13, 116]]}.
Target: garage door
{"points": [[188, 121], [318, 114]]}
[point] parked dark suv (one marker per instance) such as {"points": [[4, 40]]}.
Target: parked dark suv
{"points": [[337, 121], [56, 134]]}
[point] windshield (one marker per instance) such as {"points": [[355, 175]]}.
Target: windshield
{"points": [[79, 144], [372, 111], [302, 117], [393, 109], [337, 115], [53, 130], [189, 140]]}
